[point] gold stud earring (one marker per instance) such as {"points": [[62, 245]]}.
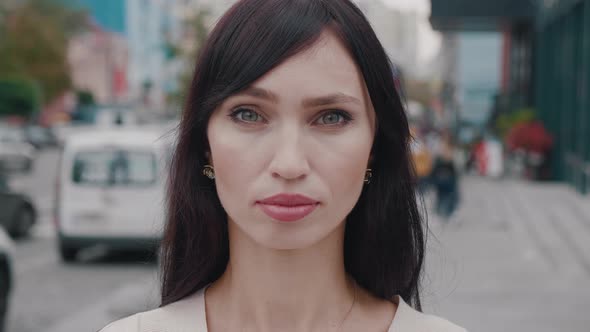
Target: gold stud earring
{"points": [[368, 175], [209, 172]]}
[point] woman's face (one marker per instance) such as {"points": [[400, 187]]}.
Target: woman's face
{"points": [[304, 132]]}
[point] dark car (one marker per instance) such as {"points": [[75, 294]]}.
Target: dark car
{"points": [[17, 212], [16, 153], [6, 275]]}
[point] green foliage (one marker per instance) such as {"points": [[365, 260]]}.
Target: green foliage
{"points": [[85, 98], [33, 43], [200, 31], [507, 121], [18, 97]]}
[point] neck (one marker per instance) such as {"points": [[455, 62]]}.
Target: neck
{"points": [[284, 290]]}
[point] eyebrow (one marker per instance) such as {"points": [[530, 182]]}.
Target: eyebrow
{"points": [[260, 93], [336, 98]]}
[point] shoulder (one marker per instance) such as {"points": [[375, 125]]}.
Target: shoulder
{"points": [[129, 324], [408, 319], [179, 316], [430, 323]]}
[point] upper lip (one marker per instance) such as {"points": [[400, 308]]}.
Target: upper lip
{"points": [[288, 200]]}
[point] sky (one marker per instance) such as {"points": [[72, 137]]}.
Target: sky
{"points": [[421, 6], [429, 40]]}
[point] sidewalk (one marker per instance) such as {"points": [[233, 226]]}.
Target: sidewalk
{"points": [[514, 257]]}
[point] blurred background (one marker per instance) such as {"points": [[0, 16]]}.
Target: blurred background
{"points": [[497, 93]]}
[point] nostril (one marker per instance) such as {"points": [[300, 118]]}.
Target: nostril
{"points": [[289, 175], [289, 170]]}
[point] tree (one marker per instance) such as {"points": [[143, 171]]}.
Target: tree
{"points": [[85, 98], [33, 43], [18, 97], [198, 32]]}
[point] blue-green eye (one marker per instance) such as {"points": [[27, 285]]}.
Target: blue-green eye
{"points": [[245, 115], [333, 118]]}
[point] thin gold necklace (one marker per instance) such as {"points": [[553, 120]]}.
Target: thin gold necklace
{"points": [[339, 328]]}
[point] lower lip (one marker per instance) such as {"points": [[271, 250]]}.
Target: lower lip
{"points": [[287, 213]]}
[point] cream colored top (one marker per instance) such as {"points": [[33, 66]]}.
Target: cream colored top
{"points": [[188, 315]]}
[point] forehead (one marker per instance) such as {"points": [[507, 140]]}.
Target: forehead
{"points": [[326, 67]]}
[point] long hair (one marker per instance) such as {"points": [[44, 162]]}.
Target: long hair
{"points": [[384, 238]]}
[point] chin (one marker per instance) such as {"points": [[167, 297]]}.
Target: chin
{"points": [[292, 245], [287, 238], [287, 241], [283, 236]]}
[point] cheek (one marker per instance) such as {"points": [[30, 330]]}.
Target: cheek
{"points": [[343, 162], [232, 161], [339, 161], [228, 148]]}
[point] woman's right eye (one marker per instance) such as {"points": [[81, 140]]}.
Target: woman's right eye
{"points": [[242, 114]]}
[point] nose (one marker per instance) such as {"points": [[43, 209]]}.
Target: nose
{"points": [[289, 161]]}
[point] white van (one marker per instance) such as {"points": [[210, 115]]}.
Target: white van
{"points": [[111, 190]]}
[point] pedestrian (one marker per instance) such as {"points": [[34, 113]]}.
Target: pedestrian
{"points": [[291, 203], [445, 177], [3, 180], [423, 161]]}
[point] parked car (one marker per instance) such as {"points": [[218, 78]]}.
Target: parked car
{"points": [[41, 137], [17, 212], [16, 154], [110, 190], [6, 276]]}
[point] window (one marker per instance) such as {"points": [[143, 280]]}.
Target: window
{"points": [[114, 168]]}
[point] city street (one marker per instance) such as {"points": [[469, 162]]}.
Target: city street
{"points": [[499, 88], [515, 257], [52, 296]]}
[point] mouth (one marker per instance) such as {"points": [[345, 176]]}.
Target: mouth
{"points": [[287, 207]]}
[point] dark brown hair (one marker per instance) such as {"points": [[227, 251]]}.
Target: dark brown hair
{"points": [[384, 237]]}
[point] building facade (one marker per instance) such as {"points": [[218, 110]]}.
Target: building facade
{"points": [[563, 85], [98, 64], [545, 65], [147, 27]]}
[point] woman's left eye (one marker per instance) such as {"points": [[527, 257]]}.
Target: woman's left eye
{"points": [[334, 118]]}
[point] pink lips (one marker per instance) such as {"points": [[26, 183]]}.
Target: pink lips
{"points": [[287, 207]]}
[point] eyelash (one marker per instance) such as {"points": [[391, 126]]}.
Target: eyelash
{"points": [[346, 117]]}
